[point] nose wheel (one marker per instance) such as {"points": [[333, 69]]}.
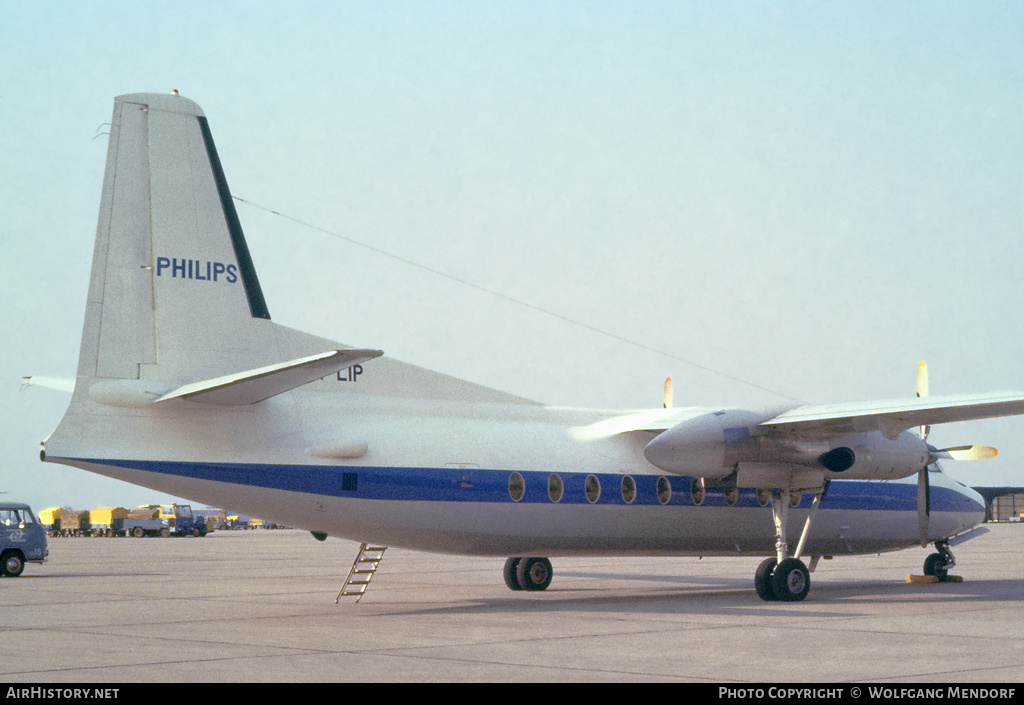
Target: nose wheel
{"points": [[938, 564]]}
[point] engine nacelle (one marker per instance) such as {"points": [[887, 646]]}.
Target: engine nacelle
{"points": [[711, 446]]}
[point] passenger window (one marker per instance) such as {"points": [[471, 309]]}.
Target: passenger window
{"points": [[555, 487], [516, 486], [664, 490], [697, 491], [593, 488], [628, 489]]}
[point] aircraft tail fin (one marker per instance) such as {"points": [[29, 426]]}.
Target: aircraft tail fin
{"points": [[173, 287], [174, 301]]}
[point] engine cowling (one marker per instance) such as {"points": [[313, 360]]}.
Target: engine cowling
{"points": [[712, 445]]}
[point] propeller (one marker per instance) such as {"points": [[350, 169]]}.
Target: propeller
{"points": [[953, 453], [667, 394]]}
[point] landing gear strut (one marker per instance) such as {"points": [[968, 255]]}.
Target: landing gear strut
{"points": [[785, 578], [938, 564]]}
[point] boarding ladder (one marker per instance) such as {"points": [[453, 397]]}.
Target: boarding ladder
{"points": [[362, 571]]}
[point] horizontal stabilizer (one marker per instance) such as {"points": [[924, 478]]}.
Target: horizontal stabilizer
{"points": [[61, 384], [256, 385]]}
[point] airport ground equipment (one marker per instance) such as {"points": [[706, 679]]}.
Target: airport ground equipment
{"points": [[148, 520], [50, 519], [75, 522], [22, 539], [362, 571], [164, 520]]}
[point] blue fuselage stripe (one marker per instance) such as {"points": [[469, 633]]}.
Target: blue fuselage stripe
{"points": [[490, 486]]}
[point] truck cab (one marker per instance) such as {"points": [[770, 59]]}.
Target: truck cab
{"points": [[178, 520], [22, 539]]}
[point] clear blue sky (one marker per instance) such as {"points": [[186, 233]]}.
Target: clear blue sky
{"points": [[808, 196]]}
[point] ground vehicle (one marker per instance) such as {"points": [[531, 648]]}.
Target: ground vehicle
{"points": [[148, 520], [163, 520], [22, 539]]}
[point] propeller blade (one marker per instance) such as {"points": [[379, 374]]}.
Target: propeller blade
{"points": [[965, 453], [922, 379], [924, 508], [922, 391], [667, 396]]}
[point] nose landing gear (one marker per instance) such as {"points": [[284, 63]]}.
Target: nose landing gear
{"points": [[938, 564]]}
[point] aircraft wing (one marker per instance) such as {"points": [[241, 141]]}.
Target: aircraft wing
{"points": [[895, 416], [890, 417], [256, 385]]}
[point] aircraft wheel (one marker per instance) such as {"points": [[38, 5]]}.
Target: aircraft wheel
{"points": [[791, 580], [763, 580], [12, 564], [510, 574], [534, 573], [935, 564]]}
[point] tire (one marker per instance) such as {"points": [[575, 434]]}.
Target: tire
{"points": [[763, 580], [165, 532], [935, 564], [509, 573], [12, 564], [534, 573], [791, 580], [137, 532]]}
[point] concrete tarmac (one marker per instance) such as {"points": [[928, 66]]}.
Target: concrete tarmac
{"points": [[258, 606]]}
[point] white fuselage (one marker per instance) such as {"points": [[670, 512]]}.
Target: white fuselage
{"points": [[435, 475]]}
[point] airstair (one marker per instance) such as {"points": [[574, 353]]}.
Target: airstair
{"points": [[362, 572]]}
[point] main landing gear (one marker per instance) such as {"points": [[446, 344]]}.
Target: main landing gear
{"points": [[785, 578], [527, 573]]}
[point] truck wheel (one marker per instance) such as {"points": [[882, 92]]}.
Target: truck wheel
{"points": [[12, 564], [137, 532], [165, 532]]}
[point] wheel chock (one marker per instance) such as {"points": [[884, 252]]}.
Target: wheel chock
{"points": [[934, 579]]}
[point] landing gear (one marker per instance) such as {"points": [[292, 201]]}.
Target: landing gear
{"points": [[763, 579], [938, 564], [527, 573], [785, 578], [791, 580]]}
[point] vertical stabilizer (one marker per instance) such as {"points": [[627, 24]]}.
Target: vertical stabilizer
{"points": [[173, 289]]}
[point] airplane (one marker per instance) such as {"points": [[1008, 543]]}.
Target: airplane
{"points": [[186, 386]]}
